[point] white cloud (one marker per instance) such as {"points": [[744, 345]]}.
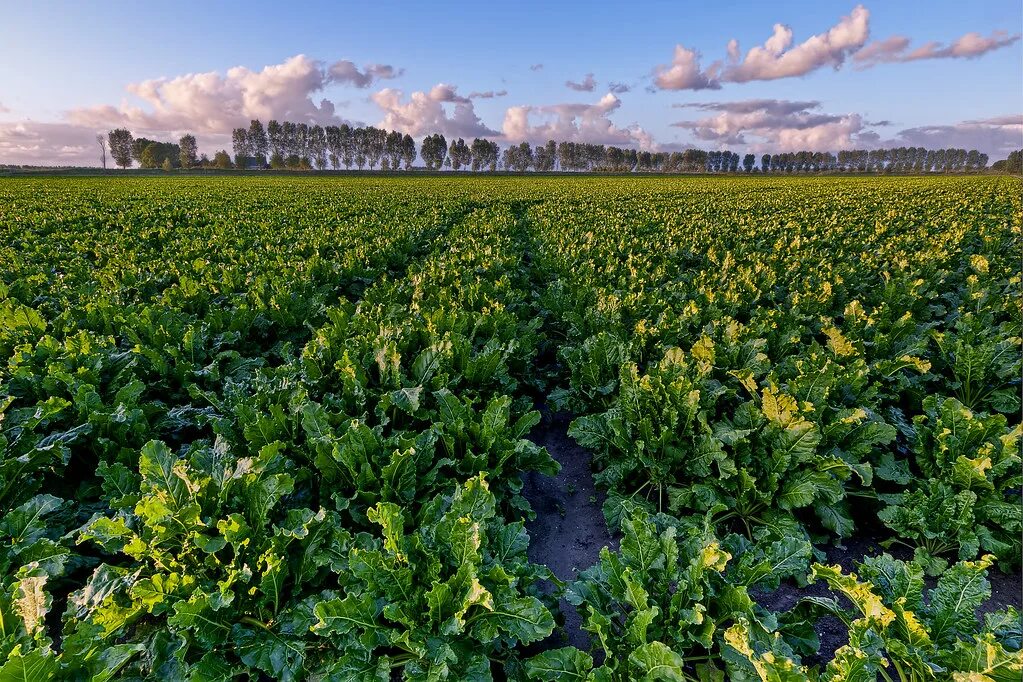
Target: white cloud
{"points": [[346, 72], [573, 123], [776, 58], [587, 84], [684, 73], [424, 113], [215, 103], [774, 125], [779, 58], [3, 109], [896, 49]]}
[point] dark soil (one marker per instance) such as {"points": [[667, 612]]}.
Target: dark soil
{"points": [[569, 531]]}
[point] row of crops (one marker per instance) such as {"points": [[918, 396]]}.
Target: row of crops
{"points": [[276, 428]]}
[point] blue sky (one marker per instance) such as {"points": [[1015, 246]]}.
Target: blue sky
{"points": [[67, 69]]}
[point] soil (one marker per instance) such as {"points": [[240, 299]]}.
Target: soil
{"points": [[569, 532], [569, 529]]}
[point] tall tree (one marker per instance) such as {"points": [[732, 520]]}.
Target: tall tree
{"points": [[121, 142], [275, 138], [187, 151], [318, 147], [147, 159], [289, 142], [359, 138], [434, 150], [333, 136], [459, 154], [348, 145], [376, 140], [545, 156], [222, 159], [408, 151], [392, 149], [258, 142], [302, 145], [240, 144], [748, 161], [101, 140], [161, 150]]}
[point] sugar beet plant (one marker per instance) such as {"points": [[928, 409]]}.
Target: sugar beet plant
{"points": [[225, 477], [275, 428]]}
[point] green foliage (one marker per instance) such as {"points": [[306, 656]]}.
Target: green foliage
{"points": [[283, 436], [439, 602], [777, 452], [658, 608], [966, 496], [895, 631]]}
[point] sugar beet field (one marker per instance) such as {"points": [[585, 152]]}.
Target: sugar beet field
{"points": [[519, 428]]}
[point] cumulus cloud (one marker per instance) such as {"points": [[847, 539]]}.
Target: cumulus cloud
{"points": [[775, 125], [425, 113], [443, 92], [207, 104], [618, 88], [215, 103], [535, 67], [896, 49], [588, 84], [346, 72], [487, 94], [777, 58], [574, 123], [684, 72]]}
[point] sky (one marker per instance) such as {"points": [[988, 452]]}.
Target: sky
{"points": [[756, 77]]}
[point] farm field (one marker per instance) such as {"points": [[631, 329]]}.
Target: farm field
{"points": [[367, 428]]}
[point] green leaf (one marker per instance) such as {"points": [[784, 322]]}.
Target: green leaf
{"points": [[341, 616], [895, 579], [280, 657], [656, 661], [210, 627], [392, 521], [35, 666], [26, 524], [108, 662], [894, 470], [525, 619], [567, 663], [952, 605], [640, 547], [157, 465], [407, 399], [263, 496]]}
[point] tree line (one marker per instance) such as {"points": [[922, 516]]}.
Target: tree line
{"points": [[300, 146]]}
